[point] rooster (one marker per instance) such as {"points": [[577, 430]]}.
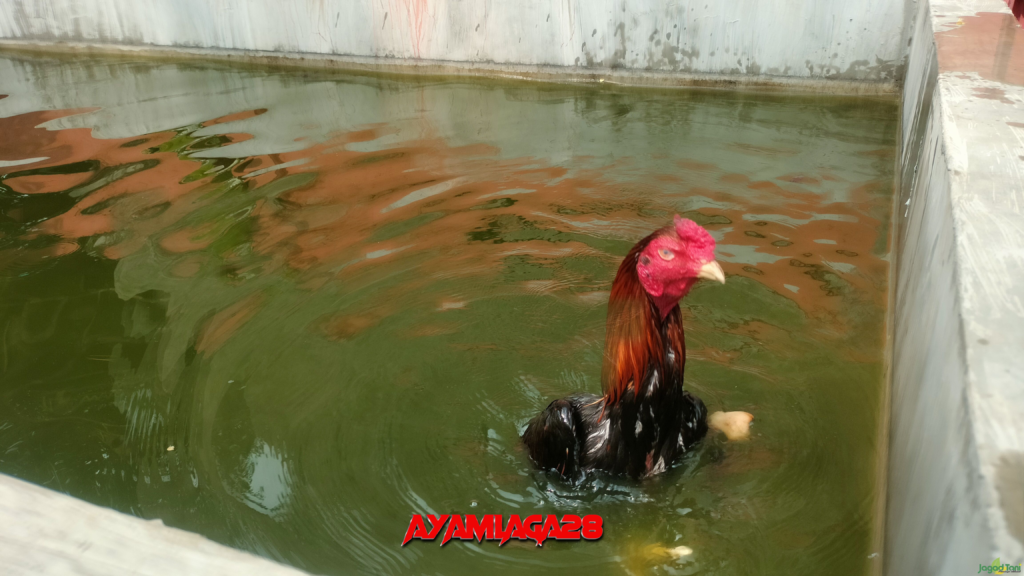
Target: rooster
{"points": [[644, 420]]}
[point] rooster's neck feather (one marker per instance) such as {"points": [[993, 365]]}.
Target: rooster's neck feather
{"points": [[636, 337]]}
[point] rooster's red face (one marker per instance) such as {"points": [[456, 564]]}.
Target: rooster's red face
{"points": [[674, 261]]}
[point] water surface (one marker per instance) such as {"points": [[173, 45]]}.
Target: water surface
{"points": [[288, 310]]}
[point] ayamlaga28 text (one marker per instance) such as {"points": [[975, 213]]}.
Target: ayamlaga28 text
{"points": [[534, 527]]}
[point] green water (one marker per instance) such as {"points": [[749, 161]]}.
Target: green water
{"points": [[340, 299]]}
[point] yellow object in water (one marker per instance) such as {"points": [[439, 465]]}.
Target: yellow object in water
{"points": [[735, 425]]}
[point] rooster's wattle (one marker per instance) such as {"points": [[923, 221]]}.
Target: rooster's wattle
{"points": [[644, 420]]}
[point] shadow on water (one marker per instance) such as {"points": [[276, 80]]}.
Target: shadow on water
{"points": [[287, 311]]}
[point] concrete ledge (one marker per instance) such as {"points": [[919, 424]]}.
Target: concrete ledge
{"points": [[956, 468], [443, 68], [48, 533]]}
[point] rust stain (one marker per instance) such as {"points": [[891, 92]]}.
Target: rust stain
{"points": [[988, 43], [997, 94]]}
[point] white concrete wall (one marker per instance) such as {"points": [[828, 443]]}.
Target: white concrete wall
{"points": [[46, 533], [956, 459], [860, 40]]}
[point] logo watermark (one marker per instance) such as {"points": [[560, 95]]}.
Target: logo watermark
{"points": [[490, 527], [997, 567]]}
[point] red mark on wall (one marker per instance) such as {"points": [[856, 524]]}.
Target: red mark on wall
{"points": [[416, 11]]}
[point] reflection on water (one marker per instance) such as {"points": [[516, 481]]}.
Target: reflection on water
{"points": [[287, 311], [268, 480]]}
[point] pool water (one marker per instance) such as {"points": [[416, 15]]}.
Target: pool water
{"points": [[288, 310]]}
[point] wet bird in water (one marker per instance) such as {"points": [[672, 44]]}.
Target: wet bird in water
{"points": [[644, 420]]}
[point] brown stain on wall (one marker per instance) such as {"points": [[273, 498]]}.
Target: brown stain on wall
{"points": [[997, 94]]}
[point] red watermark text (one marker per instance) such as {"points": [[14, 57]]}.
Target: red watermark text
{"points": [[490, 527]]}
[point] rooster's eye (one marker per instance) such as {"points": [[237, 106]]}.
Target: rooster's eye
{"points": [[666, 254]]}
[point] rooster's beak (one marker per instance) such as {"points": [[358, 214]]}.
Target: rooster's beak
{"points": [[712, 271]]}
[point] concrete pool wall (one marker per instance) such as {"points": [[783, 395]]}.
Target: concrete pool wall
{"points": [[857, 45], [956, 462], [955, 478]]}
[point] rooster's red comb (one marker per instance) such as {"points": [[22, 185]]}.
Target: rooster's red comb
{"points": [[693, 233]]}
